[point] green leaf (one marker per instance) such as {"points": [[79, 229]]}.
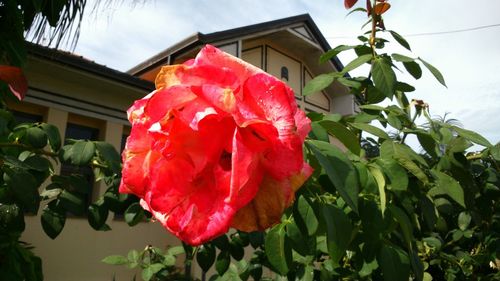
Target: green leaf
{"points": [[383, 76], [472, 136], [133, 256], [134, 214], [307, 216], [236, 249], [24, 187], [53, 136], [400, 39], [434, 72], [36, 137], [402, 58], [175, 251], [205, 257], [53, 220], [338, 231], [82, 153], [404, 222], [97, 215], [380, 180], [108, 153], [371, 129], [222, 262], [413, 68], [334, 52], [357, 62], [278, 252], [464, 219], [72, 202], [149, 271], [319, 83], [449, 186], [339, 169], [394, 263], [404, 156], [344, 135], [397, 175], [115, 260]]}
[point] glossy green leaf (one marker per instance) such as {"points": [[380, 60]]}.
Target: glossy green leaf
{"points": [[236, 250], [205, 257], [53, 135], [397, 176], [339, 169], [400, 39], [97, 215], [82, 152], [36, 137], [319, 83], [394, 263], [380, 180], [357, 62], [307, 215], [277, 251], [383, 76], [72, 202], [472, 136], [434, 72], [24, 187], [338, 231], [344, 135], [53, 220], [449, 186], [134, 214]]}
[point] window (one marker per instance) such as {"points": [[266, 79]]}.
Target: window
{"points": [[284, 73], [23, 117]]}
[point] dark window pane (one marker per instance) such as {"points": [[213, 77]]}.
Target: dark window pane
{"points": [[79, 132], [23, 117]]}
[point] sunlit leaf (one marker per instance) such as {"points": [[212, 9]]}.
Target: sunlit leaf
{"points": [[381, 8]]}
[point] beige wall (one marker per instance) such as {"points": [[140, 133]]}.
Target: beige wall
{"points": [[77, 252]]}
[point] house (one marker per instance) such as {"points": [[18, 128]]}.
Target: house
{"points": [[85, 99]]}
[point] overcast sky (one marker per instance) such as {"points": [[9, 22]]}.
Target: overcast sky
{"points": [[122, 36]]}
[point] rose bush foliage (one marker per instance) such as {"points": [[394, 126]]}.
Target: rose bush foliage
{"points": [[218, 144]]}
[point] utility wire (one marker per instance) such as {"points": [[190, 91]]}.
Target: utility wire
{"points": [[435, 33]]}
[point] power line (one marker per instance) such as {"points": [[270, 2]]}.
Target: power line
{"points": [[435, 33]]}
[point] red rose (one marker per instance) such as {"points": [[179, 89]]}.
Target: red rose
{"points": [[218, 144]]}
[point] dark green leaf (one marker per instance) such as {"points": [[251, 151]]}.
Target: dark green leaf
{"points": [[109, 154], [24, 187], [319, 83], [333, 52], [344, 135], [472, 136], [413, 68], [82, 152], [394, 263], [449, 186], [222, 262], [72, 202], [134, 214], [236, 249], [400, 40], [357, 62], [339, 169], [402, 58], [383, 76], [53, 220], [397, 175], [404, 222], [307, 215], [338, 231], [403, 87], [97, 215], [36, 137], [53, 136], [115, 260], [278, 252], [205, 257], [434, 72]]}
